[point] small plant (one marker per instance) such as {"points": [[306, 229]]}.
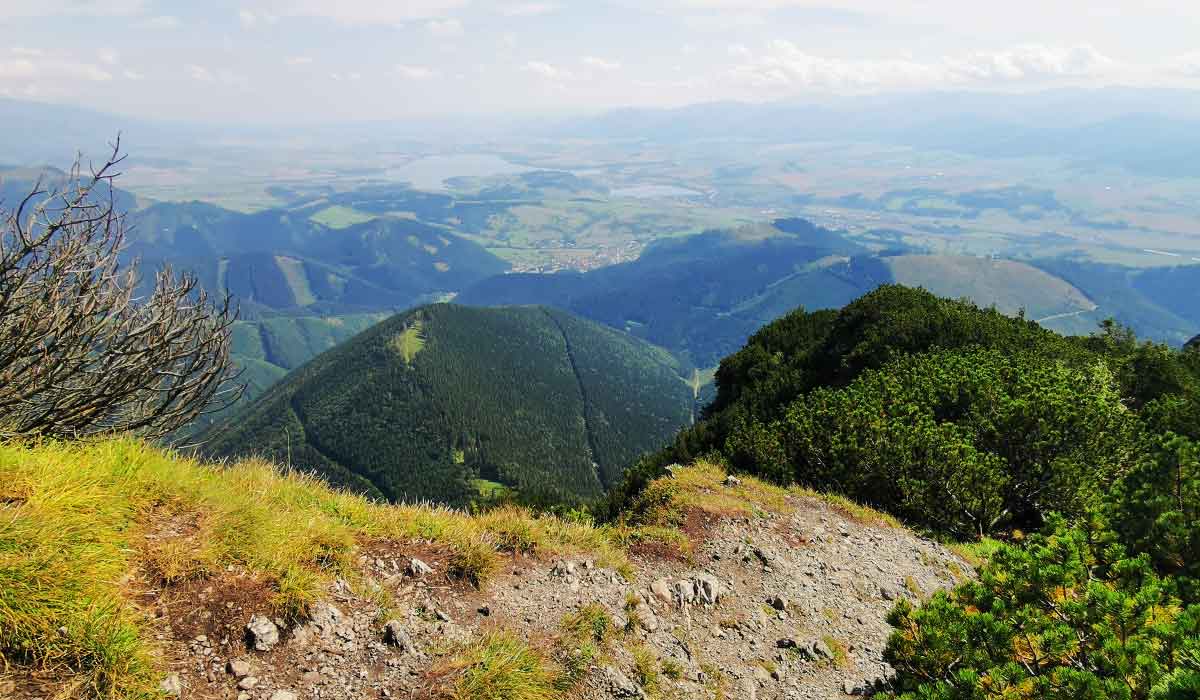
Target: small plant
{"points": [[714, 680], [502, 667], [513, 529], [591, 621], [672, 669], [473, 561], [645, 668], [586, 633], [841, 655]]}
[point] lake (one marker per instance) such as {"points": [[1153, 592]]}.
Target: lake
{"points": [[432, 172]]}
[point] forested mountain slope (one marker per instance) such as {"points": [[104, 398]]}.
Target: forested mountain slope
{"points": [[283, 260], [953, 417], [701, 297], [421, 404]]}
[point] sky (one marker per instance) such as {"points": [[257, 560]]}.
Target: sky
{"points": [[321, 61]]}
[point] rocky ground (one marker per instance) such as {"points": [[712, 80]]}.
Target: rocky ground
{"points": [[789, 604]]}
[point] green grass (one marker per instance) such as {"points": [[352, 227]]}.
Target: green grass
{"points": [[339, 217], [73, 520], [410, 341], [645, 668], [502, 667]]}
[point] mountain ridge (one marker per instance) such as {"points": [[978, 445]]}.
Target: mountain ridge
{"points": [[419, 405]]}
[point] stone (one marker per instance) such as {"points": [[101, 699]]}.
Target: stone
{"points": [[247, 683], [821, 650], [619, 685], [683, 593], [418, 568], [326, 615], [661, 590], [394, 634], [441, 616], [311, 678], [261, 633], [778, 602], [732, 480], [485, 610], [283, 695], [708, 589], [237, 668], [171, 685]]}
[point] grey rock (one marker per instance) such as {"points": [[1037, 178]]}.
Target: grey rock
{"points": [[732, 480], [237, 668], [778, 602], [708, 589], [619, 685], [261, 633], [326, 615], [395, 634], [417, 568], [247, 683], [171, 685], [683, 593], [821, 650], [283, 695]]}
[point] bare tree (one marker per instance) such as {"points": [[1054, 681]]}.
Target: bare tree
{"points": [[80, 353]]}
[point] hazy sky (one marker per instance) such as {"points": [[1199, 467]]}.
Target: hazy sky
{"points": [[327, 60]]}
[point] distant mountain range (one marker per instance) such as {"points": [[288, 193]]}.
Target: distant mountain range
{"points": [[1148, 131], [444, 401], [702, 296]]}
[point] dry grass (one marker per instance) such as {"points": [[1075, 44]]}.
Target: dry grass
{"points": [[502, 667], [77, 519]]}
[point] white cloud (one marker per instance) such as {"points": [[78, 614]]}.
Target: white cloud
{"points": [[200, 73], [133, 75], [415, 72], [247, 18], [386, 12], [445, 27], [785, 65], [547, 71], [59, 68], [78, 8], [161, 22], [601, 64], [1187, 65], [298, 60], [528, 9], [20, 68], [109, 56]]}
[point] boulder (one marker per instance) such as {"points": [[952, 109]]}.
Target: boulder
{"points": [[417, 568], [261, 633], [708, 589], [395, 634], [661, 590]]}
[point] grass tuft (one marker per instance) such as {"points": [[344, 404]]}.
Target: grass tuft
{"points": [[645, 668], [502, 667]]}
